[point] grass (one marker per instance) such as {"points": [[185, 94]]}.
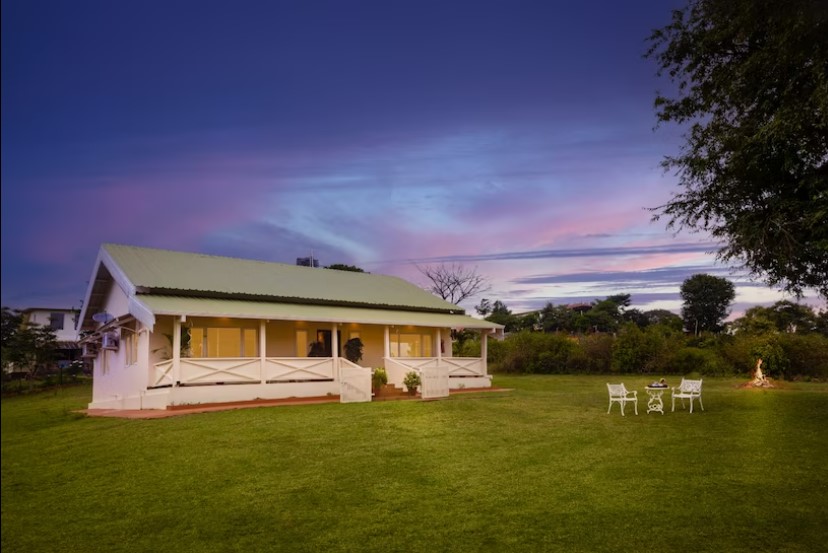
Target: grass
{"points": [[540, 468]]}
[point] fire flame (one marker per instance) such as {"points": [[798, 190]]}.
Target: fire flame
{"points": [[758, 376]]}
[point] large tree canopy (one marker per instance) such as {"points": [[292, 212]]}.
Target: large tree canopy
{"points": [[706, 302], [751, 83]]}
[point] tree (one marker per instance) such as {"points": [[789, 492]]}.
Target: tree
{"points": [[751, 81], [10, 326], [557, 318], [665, 318], [783, 316], [793, 317], [706, 302], [502, 315], [342, 267], [484, 307], [454, 283], [637, 317], [29, 348], [756, 320]]}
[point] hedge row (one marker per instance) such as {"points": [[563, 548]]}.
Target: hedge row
{"points": [[658, 350]]}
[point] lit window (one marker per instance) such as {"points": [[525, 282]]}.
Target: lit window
{"points": [[301, 343], [411, 345], [223, 342]]}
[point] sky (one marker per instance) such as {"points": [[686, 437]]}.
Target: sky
{"points": [[513, 138]]}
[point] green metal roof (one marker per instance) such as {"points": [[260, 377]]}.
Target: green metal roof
{"points": [[154, 271], [208, 307]]}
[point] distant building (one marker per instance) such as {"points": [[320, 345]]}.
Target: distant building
{"points": [[63, 323], [307, 262]]}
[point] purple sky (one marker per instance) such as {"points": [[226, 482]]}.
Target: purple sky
{"points": [[514, 137]]}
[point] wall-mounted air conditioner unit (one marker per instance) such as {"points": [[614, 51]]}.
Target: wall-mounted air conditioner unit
{"points": [[90, 350], [110, 341]]}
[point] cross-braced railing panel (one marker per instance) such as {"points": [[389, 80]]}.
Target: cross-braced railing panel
{"points": [[211, 371], [162, 374], [298, 368], [464, 366]]}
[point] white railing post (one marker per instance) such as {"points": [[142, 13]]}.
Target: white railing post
{"points": [[262, 350], [176, 352], [335, 349], [387, 345], [438, 340], [484, 350]]}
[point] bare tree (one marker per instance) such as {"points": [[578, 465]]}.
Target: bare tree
{"points": [[454, 283]]}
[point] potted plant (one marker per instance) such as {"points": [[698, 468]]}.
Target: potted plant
{"points": [[353, 350], [412, 381], [379, 378], [317, 349]]}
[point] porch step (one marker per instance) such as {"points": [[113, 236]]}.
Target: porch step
{"points": [[389, 391]]}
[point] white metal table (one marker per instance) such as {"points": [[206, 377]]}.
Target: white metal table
{"points": [[655, 403]]}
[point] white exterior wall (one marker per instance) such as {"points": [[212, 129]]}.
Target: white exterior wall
{"points": [[115, 385]]}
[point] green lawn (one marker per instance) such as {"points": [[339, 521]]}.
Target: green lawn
{"points": [[539, 468]]}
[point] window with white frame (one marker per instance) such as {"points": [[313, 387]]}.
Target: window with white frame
{"points": [[223, 342], [130, 345], [411, 344], [56, 321]]}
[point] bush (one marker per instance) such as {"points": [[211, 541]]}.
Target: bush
{"points": [[412, 380], [379, 378], [700, 361], [353, 350], [628, 351], [807, 356], [597, 349], [471, 348]]}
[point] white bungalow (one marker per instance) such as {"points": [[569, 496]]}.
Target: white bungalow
{"points": [[172, 328]]}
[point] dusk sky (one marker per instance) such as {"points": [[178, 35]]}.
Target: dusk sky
{"points": [[512, 137]]}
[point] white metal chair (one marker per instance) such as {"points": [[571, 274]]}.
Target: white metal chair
{"points": [[619, 394], [688, 389]]}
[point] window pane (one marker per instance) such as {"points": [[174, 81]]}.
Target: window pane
{"points": [[223, 342], [56, 321], [250, 346], [301, 343], [410, 345], [197, 342], [428, 343]]}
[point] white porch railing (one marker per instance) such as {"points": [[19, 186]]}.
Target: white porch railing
{"points": [[457, 366], [464, 366], [162, 375], [195, 370], [286, 369], [245, 370], [227, 370]]}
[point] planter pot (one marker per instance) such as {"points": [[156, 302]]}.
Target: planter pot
{"points": [[386, 390]]}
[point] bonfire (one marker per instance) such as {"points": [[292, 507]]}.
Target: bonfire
{"points": [[759, 378]]}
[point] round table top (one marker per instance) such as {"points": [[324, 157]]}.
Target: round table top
{"points": [[656, 388]]}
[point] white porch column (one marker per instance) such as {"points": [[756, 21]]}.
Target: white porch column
{"points": [[387, 346], [176, 352], [262, 350], [484, 350], [335, 348], [438, 339]]}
